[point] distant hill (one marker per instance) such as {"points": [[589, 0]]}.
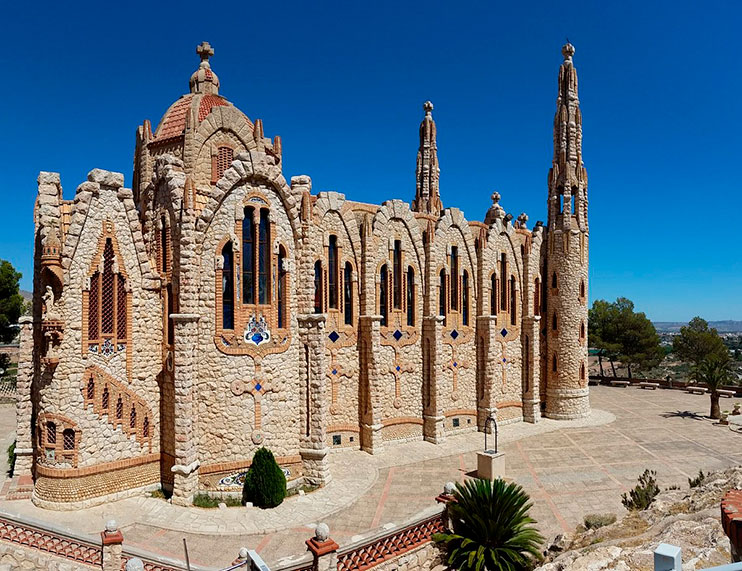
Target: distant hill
{"points": [[27, 295], [727, 326]]}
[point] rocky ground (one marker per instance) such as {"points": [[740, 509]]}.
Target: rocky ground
{"points": [[688, 518]]}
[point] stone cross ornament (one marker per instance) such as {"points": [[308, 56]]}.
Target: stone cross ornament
{"points": [[205, 51]]}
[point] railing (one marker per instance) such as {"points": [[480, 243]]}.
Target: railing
{"points": [[388, 546]]}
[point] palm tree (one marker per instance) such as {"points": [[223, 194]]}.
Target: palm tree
{"points": [[713, 371], [491, 528]]}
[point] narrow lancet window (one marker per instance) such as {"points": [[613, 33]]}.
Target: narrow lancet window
{"points": [[264, 257], [332, 273], [348, 293], [410, 296], [383, 301], [513, 302], [397, 274], [442, 296], [503, 283], [465, 298], [454, 278], [227, 286], [281, 288], [248, 257]]}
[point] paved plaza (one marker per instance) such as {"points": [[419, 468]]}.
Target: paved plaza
{"points": [[569, 469]]}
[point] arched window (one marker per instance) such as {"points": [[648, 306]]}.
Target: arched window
{"points": [[348, 293], [332, 273], [248, 257], [119, 408], [582, 331], [554, 321], [465, 298], [91, 389], [493, 294], [397, 274], [554, 363], [68, 439], [553, 280], [442, 295], [107, 306], [227, 286], [51, 433], [537, 297], [104, 399], [454, 278], [582, 288], [282, 317], [145, 427], [224, 158], [317, 287], [410, 296], [264, 259], [513, 302], [582, 371], [133, 417], [503, 283], [164, 245], [383, 293]]}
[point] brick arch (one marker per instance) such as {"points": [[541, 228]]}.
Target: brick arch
{"points": [[397, 209], [453, 218], [249, 168], [328, 202], [224, 118]]}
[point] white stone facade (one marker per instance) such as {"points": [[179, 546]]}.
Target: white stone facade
{"points": [[216, 308]]}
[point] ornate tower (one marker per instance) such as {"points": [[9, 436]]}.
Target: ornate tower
{"points": [[565, 278], [427, 195]]}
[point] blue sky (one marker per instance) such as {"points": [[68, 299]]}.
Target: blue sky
{"points": [[343, 84]]}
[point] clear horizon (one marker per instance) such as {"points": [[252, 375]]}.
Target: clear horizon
{"points": [[343, 85]]}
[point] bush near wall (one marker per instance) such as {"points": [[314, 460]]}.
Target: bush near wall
{"points": [[265, 482]]}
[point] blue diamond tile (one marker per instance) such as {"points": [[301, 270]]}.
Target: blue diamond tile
{"points": [[397, 334], [258, 386], [334, 336], [454, 334], [334, 371], [504, 332], [399, 368], [504, 360], [455, 364]]}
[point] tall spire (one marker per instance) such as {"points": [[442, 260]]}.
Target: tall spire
{"points": [[427, 195], [567, 177]]}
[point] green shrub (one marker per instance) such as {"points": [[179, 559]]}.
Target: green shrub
{"points": [[698, 480], [11, 458], [265, 482], [206, 501], [594, 521], [643, 493]]}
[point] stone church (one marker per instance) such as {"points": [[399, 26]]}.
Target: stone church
{"points": [[216, 307]]}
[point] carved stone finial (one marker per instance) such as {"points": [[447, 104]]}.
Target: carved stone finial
{"points": [[449, 488], [205, 51], [568, 50], [322, 532], [522, 219], [111, 526], [495, 197], [428, 107]]}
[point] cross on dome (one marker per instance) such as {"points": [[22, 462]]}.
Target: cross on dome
{"points": [[205, 51]]}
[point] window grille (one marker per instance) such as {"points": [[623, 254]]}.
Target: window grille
{"points": [[383, 301], [224, 158], [119, 408], [51, 433], [68, 439], [104, 399], [91, 388], [133, 417]]}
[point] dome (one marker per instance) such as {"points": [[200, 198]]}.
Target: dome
{"points": [[203, 97]]}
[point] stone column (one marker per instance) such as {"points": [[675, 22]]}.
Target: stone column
{"points": [[370, 402], [324, 549], [532, 372], [433, 418], [315, 406], [186, 461], [111, 540], [490, 356], [24, 404]]}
